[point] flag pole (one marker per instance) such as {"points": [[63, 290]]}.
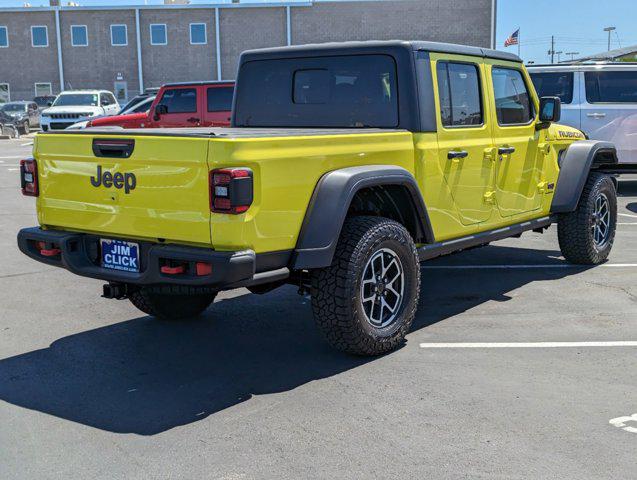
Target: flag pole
{"points": [[519, 41]]}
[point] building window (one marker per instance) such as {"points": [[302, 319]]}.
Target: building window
{"points": [[158, 34], [79, 36], [5, 95], [119, 35], [4, 37], [198, 34], [43, 89], [39, 36]]}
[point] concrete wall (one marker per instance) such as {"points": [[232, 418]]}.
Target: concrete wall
{"points": [[22, 65], [178, 61], [245, 29], [97, 66]]}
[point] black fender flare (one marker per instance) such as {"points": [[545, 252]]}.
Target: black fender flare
{"points": [[576, 163], [329, 205]]}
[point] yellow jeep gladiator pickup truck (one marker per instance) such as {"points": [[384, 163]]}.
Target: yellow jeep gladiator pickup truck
{"points": [[345, 166]]}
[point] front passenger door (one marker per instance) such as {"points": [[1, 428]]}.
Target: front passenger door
{"points": [[519, 163]]}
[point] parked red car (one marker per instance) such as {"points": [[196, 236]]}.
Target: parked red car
{"points": [[192, 104]]}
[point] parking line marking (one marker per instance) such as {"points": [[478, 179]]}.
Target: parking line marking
{"points": [[627, 223], [26, 144], [529, 344], [513, 267], [627, 215], [12, 156]]}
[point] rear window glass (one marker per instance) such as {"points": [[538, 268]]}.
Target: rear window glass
{"points": [[611, 87], [554, 84], [180, 100], [344, 91], [220, 99]]}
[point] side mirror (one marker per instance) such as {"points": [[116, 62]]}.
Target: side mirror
{"points": [[550, 111], [160, 110], [48, 104]]}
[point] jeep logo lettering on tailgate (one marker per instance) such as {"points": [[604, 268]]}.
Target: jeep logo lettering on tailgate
{"points": [[119, 180]]}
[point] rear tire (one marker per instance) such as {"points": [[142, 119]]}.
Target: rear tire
{"points": [[365, 302], [25, 127], [170, 306], [586, 235]]}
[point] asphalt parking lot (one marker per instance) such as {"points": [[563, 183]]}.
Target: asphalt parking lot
{"points": [[91, 388]]}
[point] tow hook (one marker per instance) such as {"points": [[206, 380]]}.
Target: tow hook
{"points": [[118, 291]]}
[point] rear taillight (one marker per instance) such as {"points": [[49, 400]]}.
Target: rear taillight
{"points": [[29, 177], [231, 190]]}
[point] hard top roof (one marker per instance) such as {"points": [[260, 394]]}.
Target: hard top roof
{"points": [[209, 82], [340, 48]]}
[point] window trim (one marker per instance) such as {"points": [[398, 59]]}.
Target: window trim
{"points": [[35, 88], [150, 30], [588, 102], [6, 31], [46, 30], [480, 89], [528, 90], [205, 33], [73, 44], [125, 34]]}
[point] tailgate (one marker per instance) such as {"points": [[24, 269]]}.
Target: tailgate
{"points": [[157, 191]]}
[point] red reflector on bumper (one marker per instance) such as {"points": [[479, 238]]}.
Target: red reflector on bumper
{"points": [[203, 269], [51, 252], [173, 270]]}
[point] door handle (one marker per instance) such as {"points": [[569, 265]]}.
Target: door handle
{"points": [[506, 150], [457, 154], [192, 120], [596, 115]]}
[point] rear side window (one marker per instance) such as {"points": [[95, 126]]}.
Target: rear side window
{"points": [[220, 99], [459, 92], [512, 98], [180, 100], [611, 87], [339, 91], [554, 84]]}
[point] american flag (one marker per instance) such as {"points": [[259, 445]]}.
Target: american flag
{"points": [[513, 39]]}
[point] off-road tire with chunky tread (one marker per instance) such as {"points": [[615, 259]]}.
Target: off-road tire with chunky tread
{"points": [[168, 306], [574, 228], [335, 290]]}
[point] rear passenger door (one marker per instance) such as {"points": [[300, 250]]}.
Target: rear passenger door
{"points": [[218, 105], [519, 163], [610, 110], [181, 107], [465, 141]]}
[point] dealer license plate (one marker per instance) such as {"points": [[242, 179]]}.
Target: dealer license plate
{"points": [[120, 255]]}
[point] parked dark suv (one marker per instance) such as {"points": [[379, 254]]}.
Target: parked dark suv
{"points": [[25, 114]]}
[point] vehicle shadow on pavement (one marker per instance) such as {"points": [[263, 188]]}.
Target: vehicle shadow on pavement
{"points": [[146, 376]]}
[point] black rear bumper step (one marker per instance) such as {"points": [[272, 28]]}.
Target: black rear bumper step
{"points": [[79, 253]]}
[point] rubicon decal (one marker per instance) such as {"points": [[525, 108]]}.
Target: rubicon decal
{"points": [[119, 180], [569, 134]]}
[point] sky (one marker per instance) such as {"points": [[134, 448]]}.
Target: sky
{"points": [[577, 25]]}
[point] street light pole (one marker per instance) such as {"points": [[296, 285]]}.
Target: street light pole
{"points": [[609, 29], [558, 55], [572, 54]]}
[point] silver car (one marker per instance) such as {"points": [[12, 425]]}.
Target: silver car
{"points": [[600, 99]]}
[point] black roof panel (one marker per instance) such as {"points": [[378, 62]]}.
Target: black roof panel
{"points": [[339, 48]]}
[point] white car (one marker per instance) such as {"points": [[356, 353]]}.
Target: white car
{"points": [[74, 106], [600, 99]]}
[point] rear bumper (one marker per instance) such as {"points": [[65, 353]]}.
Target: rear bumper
{"points": [[79, 253]]}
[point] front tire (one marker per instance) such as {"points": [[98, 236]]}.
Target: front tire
{"points": [[365, 302], [168, 306], [25, 127], [586, 235]]}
